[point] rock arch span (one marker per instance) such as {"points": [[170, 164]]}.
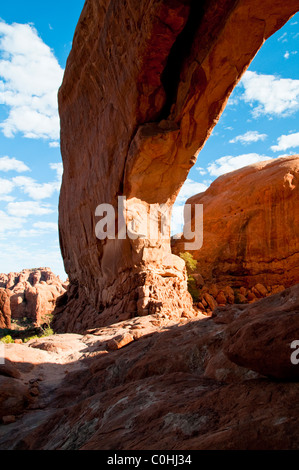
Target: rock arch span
{"points": [[145, 84]]}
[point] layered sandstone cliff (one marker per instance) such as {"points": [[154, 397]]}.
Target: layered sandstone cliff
{"points": [[250, 229], [5, 311], [32, 294], [143, 88]]}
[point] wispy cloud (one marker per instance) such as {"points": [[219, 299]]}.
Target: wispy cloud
{"points": [[58, 168], [54, 144], [37, 190], [29, 257], [189, 188], [283, 37], [285, 142], [23, 209], [29, 79], [248, 137], [46, 226], [9, 222], [6, 187]]}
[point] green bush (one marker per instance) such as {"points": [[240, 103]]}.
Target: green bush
{"points": [[25, 340], [48, 332], [191, 265], [7, 339]]}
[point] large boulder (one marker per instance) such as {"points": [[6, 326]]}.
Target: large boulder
{"points": [[264, 336], [250, 235]]}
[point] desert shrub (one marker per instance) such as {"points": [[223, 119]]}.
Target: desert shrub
{"points": [[25, 340], [191, 264], [193, 290], [48, 332], [7, 339]]}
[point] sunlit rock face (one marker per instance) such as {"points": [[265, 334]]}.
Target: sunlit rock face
{"points": [[31, 294], [251, 219], [144, 85]]}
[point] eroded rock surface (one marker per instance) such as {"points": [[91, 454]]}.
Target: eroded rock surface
{"points": [[143, 88], [204, 383], [32, 293], [250, 230], [5, 311]]}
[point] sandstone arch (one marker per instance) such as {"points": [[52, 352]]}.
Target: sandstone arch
{"points": [[145, 84]]}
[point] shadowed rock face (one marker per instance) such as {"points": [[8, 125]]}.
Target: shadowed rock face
{"points": [[143, 88], [250, 219], [150, 383]]}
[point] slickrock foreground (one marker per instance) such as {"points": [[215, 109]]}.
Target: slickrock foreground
{"points": [[143, 88], [250, 230], [30, 294], [207, 383]]}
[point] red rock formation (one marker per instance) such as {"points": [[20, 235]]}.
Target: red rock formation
{"points": [[250, 235], [152, 383], [260, 336], [143, 88], [33, 293], [5, 312]]}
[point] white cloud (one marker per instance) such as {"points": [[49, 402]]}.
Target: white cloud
{"points": [[30, 76], [58, 168], [54, 144], [39, 228], [201, 170], [46, 226], [25, 233], [249, 137], [29, 256], [9, 223], [189, 188], [7, 198], [273, 95], [177, 219], [27, 208], [285, 142], [283, 37], [287, 54], [37, 190], [12, 164], [6, 186], [228, 163]]}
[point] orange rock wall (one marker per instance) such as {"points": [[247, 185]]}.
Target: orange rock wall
{"points": [[143, 88], [250, 226]]}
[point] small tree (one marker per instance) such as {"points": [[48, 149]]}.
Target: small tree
{"points": [[191, 265]]}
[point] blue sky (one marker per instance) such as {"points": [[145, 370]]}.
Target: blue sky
{"points": [[259, 122]]}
